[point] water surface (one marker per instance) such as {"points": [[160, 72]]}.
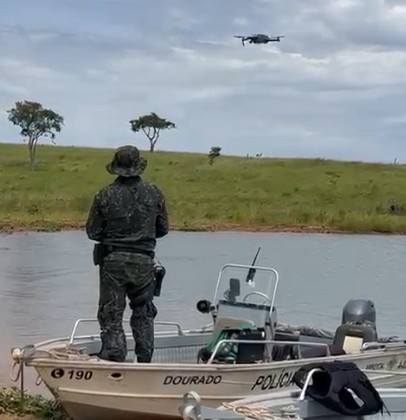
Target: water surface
{"points": [[47, 280]]}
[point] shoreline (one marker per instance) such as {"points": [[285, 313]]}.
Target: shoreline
{"points": [[9, 228], [270, 195], [30, 407]]}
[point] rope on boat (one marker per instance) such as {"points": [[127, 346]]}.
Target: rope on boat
{"points": [[62, 353], [15, 376], [69, 353], [20, 356], [17, 357], [263, 413], [305, 330]]}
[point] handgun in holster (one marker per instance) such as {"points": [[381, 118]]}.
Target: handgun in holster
{"points": [[159, 274], [99, 252]]}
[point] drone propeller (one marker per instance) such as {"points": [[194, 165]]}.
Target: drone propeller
{"points": [[242, 37], [276, 38]]}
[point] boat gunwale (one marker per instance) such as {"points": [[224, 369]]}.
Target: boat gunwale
{"points": [[382, 349], [284, 364], [66, 340]]}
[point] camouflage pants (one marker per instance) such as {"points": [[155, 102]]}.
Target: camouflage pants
{"points": [[123, 275]]}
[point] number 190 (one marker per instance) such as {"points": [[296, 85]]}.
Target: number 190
{"points": [[80, 374]]}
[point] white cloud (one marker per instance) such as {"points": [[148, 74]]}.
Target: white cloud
{"points": [[332, 88], [241, 21]]}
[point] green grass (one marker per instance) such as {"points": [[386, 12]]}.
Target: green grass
{"points": [[235, 192], [32, 406]]}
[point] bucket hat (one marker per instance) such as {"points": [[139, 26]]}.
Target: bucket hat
{"points": [[127, 162]]}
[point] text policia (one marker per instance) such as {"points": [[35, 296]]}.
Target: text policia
{"points": [[282, 379]]}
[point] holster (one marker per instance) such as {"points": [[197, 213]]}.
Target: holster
{"points": [[159, 274], [99, 252]]}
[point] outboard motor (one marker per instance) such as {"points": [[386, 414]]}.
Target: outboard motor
{"points": [[358, 326], [359, 311]]}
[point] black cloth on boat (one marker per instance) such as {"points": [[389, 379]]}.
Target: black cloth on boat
{"points": [[332, 384]]}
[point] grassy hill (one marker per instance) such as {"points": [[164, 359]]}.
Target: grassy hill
{"points": [[235, 192]]}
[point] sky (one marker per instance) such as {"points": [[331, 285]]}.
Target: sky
{"points": [[334, 87]]}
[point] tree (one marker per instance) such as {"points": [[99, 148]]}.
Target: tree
{"points": [[35, 121], [214, 152], [151, 125]]}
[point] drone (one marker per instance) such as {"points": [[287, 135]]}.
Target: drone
{"points": [[259, 38]]}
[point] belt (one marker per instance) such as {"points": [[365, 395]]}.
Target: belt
{"points": [[117, 248]]}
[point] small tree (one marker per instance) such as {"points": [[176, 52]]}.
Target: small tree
{"points": [[214, 152], [151, 125], [35, 121]]}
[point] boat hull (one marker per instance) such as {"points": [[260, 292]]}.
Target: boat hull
{"points": [[80, 411], [97, 390]]}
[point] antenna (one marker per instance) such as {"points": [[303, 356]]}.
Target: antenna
{"points": [[252, 271]]}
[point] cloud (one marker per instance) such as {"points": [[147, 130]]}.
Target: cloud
{"points": [[333, 87]]}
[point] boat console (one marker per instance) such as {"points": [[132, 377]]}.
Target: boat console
{"points": [[233, 315], [237, 318]]}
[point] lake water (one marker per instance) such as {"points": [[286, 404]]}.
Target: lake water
{"points": [[47, 280]]}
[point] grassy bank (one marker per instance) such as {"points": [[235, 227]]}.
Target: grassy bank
{"points": [[30, 407], [233, 193]]}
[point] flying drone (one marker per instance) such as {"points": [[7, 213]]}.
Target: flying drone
{"points": [[259, 38]]}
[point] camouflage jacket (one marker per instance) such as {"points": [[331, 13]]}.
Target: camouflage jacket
{"points": [[129, 212]]}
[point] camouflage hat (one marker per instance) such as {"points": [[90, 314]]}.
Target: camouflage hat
{"points": [[127, 162]]}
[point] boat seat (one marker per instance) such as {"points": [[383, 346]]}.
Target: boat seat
{"points": [[308, 352], [281, 352], [223, 327], [350, 337], [291, 351], [250, 352]]}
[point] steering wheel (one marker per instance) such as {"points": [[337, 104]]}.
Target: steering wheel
{"points": [[258, 294]]}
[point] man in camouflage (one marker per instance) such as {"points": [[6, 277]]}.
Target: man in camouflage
{"points": [[126, 218]]}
